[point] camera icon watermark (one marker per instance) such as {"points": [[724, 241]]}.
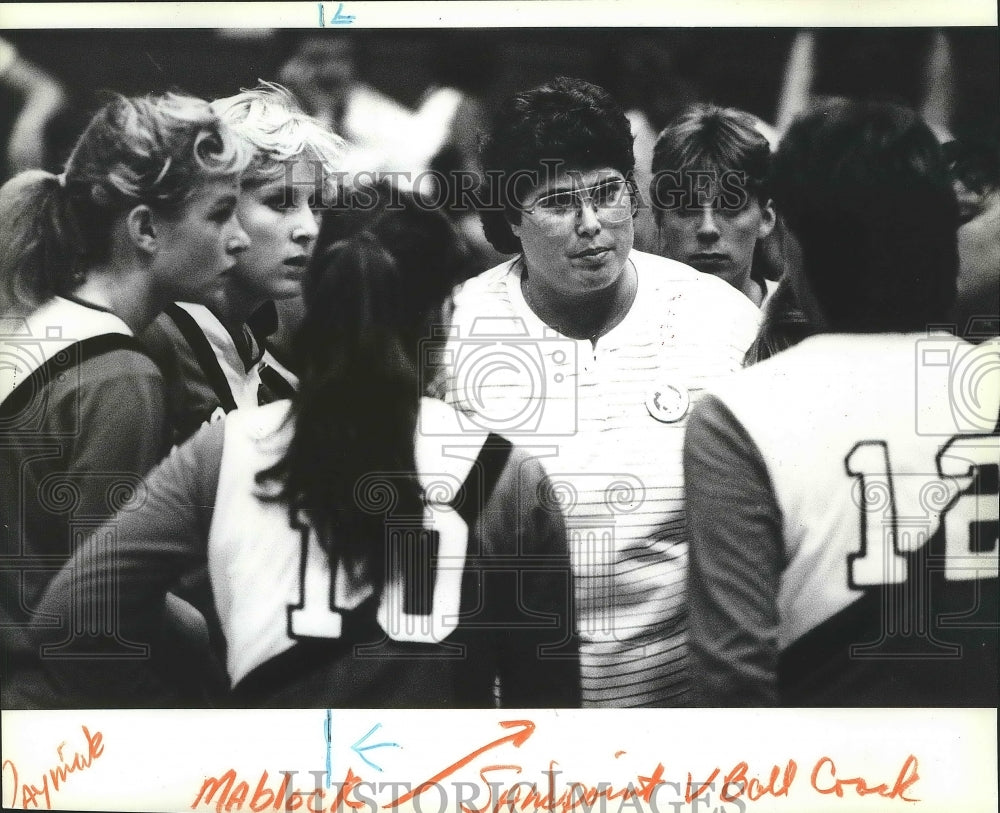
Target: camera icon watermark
{"points": [[503, 379], [927, 539], [957, 386], [596, 507], [22, 353], [439, 572]]}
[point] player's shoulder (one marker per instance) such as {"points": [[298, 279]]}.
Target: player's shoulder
{"points": [[663, 268], [485, 285], [482, 300], [161, 332], [128, 363], [366, 99], [873, 363], [447, 444], [259, 422], [674, 281]]}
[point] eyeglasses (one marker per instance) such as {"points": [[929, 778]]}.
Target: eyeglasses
{"points": [[614, 201]]}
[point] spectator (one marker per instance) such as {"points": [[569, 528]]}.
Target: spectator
{"points": [[323, 73], [709, 195], [43, 98]]}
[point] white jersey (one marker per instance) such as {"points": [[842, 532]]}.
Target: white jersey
{"points": [[282, 606], [608, 422], [878, 450]]}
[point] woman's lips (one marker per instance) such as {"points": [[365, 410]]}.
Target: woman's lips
{"points": [[708, 258], [591, 254]]}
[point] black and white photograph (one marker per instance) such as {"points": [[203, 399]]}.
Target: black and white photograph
{"points": [[505, 367]]}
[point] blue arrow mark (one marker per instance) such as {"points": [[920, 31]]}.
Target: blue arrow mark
{"points": [[329, 741], [359, 747]]}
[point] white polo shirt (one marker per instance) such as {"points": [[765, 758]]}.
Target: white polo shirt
{"points": [[607, 420]]}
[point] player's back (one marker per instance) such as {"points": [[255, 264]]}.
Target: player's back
{"points": [[882, 455], [477, 592]]}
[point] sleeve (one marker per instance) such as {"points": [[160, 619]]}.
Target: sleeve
{"points": [[445, 374], [739, 330], [469, 305], [539, 664], [735, 562], [128, 565]]}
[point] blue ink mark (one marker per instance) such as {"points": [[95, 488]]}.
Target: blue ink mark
{"points": [[321, 22], [329, 740], [360, 750], [341, 19]]}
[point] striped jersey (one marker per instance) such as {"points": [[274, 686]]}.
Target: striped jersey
{"points": [[607, 420]]}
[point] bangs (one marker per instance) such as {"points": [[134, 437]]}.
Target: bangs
{"points": [[265, 169]]}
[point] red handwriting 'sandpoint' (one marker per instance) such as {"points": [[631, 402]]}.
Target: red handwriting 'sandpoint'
{"points": [[37, 796]]}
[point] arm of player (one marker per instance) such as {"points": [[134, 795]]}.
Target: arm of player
{"points": [[539, 662], [122, 574], [735, 562]]}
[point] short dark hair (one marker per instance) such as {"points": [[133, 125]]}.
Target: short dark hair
{"points": [[568, 124], [710, 138], [865, 189]]}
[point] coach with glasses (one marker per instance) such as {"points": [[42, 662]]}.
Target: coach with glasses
{"points": [[590, 354]]}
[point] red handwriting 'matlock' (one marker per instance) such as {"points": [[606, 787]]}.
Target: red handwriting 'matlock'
{"points": [[233, 794], [35, 796]]}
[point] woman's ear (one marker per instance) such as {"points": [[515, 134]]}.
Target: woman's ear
{"points": [[142, 230], [514, 227], [767, 220]]}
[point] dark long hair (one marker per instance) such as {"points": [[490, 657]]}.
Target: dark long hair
{"points": [[372, 301]]}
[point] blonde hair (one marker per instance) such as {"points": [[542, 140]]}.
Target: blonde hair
{"points": [[271, 121], [153, 150]]}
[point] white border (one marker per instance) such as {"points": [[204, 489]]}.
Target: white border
{"points": [[506, 14]]}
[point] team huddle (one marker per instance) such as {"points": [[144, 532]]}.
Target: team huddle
{"points": [[260, 451]]}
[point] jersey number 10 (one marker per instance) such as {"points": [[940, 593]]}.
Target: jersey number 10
{"points": [[421, 599]]}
